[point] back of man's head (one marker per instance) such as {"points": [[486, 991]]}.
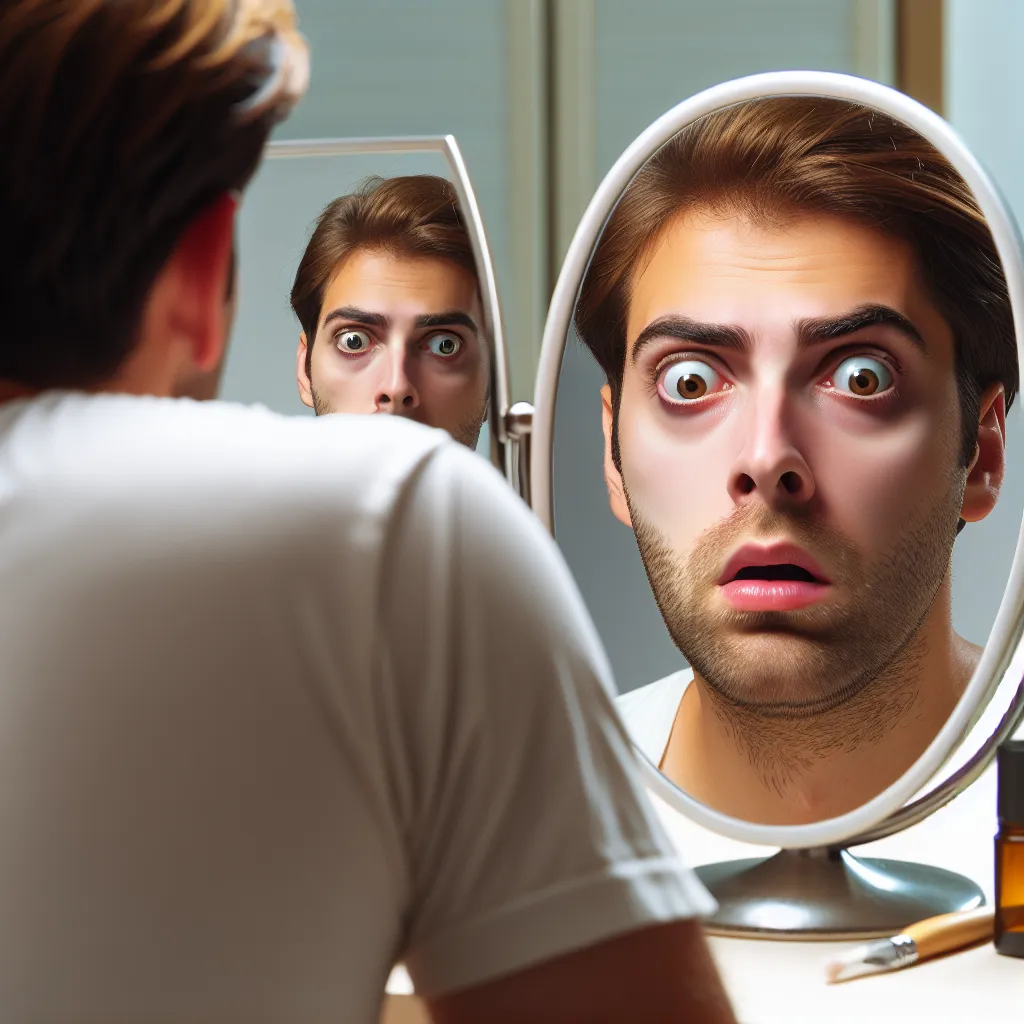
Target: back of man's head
{"points": [[122, 120]]}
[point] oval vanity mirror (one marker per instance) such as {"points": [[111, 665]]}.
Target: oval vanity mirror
{"points": [[773, 429], [368, 287]]}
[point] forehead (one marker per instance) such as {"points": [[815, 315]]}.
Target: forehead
{"points": [[728, 269], [401, 285]]}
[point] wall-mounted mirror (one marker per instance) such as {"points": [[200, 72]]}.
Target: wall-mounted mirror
{"points": [[367, 287], [774, 436]]}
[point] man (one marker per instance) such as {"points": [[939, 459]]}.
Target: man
{"points": [[809, 351], [389, 303], [285, 701]]}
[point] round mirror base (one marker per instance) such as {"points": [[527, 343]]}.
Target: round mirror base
{"points": [[829, 894]]}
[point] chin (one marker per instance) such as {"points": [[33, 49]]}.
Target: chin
{"points": [[771, 669]]}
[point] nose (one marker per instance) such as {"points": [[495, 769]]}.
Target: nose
{"points": [[770, 464], [396, 393]]}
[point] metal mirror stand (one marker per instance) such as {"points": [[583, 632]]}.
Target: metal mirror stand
{"points": [[814, 888], [829, 894], [518, 431]]}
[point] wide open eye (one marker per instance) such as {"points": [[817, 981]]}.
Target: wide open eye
{"points": [[862, 376], [444, 345], [687, 380], [353, 342]]}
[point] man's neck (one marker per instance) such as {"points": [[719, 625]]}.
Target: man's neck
{"points": [[11, 391], [795, 771]]}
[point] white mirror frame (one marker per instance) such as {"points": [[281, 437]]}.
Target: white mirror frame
{"points": [[493, 325], [889, 811]]}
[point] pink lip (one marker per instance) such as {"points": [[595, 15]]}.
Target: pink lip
{"points": [[752, 595]]}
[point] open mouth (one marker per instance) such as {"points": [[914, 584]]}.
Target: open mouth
{"points": [[772, 578], [773, 573]]}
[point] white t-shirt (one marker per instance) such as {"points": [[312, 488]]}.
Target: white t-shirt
{"points": [[284, 702], [649, 712]]}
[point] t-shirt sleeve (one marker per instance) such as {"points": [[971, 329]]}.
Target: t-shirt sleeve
{"points": [[526, 830]]}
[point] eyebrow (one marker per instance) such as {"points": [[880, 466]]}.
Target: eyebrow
{"points": [[684, 328], [810, 330], [814, 330], [358, 316], [449, 318]]}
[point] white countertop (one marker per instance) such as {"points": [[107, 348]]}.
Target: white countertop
{"points": [[771, 982]]}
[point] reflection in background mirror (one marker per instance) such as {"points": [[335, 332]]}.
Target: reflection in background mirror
{"points": [[808, 355], [359, 294]]}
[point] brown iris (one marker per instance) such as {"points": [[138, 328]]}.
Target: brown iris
{"points": [[864, 381], [691, 385]]}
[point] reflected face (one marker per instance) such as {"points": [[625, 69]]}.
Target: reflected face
{"points": [[788, 433], [400, 336]]}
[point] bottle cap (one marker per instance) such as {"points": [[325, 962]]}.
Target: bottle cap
{"points": [[1010, 782]]}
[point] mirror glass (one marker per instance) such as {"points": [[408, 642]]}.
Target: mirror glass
{"points": [[358, 293], [783, 468]]}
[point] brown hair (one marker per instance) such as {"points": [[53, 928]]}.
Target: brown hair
{"points": [[781, 155], [416, 216], [121, 121]]}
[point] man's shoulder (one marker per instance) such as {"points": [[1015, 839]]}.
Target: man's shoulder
{"points": [[200, 468], [226, 429], [209, 446]]}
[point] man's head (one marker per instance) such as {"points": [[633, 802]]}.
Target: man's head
{"points": [[389, 304], [131, 126], [809, 351]]}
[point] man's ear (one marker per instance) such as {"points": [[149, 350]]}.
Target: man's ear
{"points": [[988, 467], [202, 262], [301, 377], [612, 477]]}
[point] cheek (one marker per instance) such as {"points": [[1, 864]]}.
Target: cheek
{"points": [[350, 385], [458, 388], [872, 482], [676, 472]]}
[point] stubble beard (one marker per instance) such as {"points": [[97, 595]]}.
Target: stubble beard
{"points": [[792, 688]]}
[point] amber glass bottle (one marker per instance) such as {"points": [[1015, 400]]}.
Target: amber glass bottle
{"points": [[1009, 923]]}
